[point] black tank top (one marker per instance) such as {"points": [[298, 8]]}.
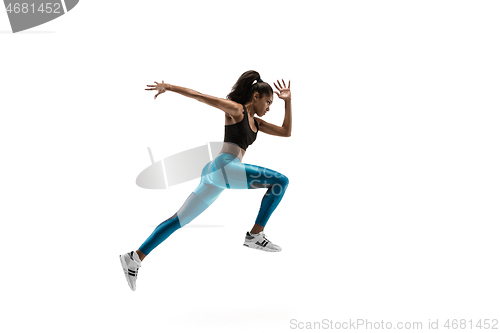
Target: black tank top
{"points": [[241, 133]]}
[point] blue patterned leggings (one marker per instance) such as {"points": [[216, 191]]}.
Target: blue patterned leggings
{"points": [[225, 171]]}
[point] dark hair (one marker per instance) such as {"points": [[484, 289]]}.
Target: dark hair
{"points": [[248, 83]]}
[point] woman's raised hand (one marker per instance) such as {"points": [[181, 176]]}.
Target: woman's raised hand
{"points": [[161, 87], [284, 91]]}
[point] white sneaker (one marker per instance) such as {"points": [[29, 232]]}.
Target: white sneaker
{"points": [[130, 263], [260, 242]]}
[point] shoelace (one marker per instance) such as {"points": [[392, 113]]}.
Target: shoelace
{"points": [[264, 237]]}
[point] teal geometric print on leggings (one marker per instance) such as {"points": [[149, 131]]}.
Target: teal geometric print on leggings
{"points": [[26, 14]]}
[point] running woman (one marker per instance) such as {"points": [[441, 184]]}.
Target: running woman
{"points": [[249, 97]]}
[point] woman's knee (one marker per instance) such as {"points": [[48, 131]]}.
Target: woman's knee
{"points": [[284, 181], [280, 186]]}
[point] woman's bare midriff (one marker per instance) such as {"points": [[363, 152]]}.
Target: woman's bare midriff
{"points": [[233, 149]]}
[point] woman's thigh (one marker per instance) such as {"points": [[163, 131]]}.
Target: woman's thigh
{"points": [[247, 176], [226, 171], [259, 177]]}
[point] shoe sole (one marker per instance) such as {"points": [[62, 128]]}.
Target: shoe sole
{"points": [[258, 247], [125, 271]]}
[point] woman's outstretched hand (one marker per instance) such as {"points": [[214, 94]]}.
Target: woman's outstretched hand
{"points": [[161, 87], [284, 91]]}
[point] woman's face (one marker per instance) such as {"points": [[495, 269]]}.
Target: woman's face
{"points": [[262, 104]]}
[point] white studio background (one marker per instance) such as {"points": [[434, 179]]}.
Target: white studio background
{"points": [[393, 206]]}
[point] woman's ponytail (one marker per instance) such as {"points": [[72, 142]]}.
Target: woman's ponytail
{"points": [[248, 83]]}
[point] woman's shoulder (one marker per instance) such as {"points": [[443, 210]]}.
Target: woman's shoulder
{"points": [[239, 114]]}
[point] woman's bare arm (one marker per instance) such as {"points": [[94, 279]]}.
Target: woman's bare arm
{"points": [[286, 127], [230, 107], [284, 130]]}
